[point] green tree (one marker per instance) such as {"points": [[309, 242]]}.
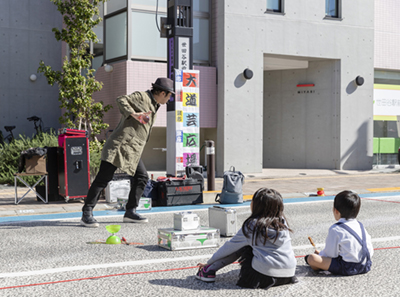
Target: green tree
{"points": [[76, 80]]}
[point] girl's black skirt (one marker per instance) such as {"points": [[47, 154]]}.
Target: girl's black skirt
{"points": [[250, 278]]}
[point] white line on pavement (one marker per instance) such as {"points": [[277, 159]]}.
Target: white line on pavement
{"points": [[105, 265]]}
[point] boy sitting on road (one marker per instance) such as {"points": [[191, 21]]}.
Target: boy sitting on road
{"points": [[348, 248]]}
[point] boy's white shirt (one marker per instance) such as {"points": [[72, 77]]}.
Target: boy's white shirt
{"points": [[340, 242]]}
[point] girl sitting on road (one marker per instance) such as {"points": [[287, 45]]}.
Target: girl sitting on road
{"points": [[263, 247]]}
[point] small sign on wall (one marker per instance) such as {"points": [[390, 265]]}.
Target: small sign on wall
{"points": [[386, 100]]}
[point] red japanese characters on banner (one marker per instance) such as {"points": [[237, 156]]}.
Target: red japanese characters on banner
{"points": [[178, 97], [190, 80]]}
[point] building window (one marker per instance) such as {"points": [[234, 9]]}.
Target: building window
{"points": [[275, 6], [135, 34], [332, 8], [116, 36], [201, 32], [146, 42]]}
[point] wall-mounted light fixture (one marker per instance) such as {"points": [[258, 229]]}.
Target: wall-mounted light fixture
{"points": [[108, 68], [359, 80], [247, 73], [33, 77]]}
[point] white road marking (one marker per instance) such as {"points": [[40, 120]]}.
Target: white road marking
{"points": [[145, 262], [97, 266]]}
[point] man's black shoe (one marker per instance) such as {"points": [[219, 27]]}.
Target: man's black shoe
{"points": [[88, 220], [131, 216]]}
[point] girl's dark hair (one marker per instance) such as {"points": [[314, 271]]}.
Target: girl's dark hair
{"points": [[348, 204], [267, 213]]}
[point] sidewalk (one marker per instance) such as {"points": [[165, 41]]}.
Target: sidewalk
{"points": [[291, 183]]}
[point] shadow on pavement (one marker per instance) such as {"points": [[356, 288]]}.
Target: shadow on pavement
{"points": [[223, 281]]}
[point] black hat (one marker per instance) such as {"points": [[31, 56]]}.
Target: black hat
{"points": [[165, 84]]}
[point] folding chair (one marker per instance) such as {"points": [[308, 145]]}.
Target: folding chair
{"points": [[19, 177]]}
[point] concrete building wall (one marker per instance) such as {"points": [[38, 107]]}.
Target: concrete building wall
{"points": [[299, 122], [26, 39], [387, 34], [301, 32]]}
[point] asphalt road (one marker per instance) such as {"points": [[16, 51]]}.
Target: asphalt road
{"points": [[56, 258]]}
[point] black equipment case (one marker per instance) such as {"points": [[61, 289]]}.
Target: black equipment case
{"points": [[73, 167], [179, 192]]}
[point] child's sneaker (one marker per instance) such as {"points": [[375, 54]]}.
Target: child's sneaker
{"points": [[206, 276]]}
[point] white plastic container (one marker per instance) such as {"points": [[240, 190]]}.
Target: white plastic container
{"points": [[117, 189], [224, 219], [144, 204], [184, 221]]}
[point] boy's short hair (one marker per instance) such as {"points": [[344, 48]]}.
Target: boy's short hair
{"points": [[348, 204]]}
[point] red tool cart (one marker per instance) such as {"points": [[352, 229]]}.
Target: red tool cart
{"points": [[73, 164]]}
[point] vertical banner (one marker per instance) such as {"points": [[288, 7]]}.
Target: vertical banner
{"points": [[187, 121]]}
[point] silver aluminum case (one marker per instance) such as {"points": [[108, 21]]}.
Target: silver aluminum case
{"points": [[186, 220], [175, 240], [225, 219]]}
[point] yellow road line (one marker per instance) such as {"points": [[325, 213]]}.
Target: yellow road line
{"points": [[317, 177], [384, 189]]}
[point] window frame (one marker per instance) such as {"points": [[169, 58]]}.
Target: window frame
{"points": [[145, 10], [338, 12], [281, 11], [124, 57], [204, 16]]}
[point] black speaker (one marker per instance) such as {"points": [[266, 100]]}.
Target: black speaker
{"points": [[73, 167], [52, 171], [52, 176]]}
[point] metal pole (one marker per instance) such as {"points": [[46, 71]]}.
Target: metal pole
{"points": [[210, 152]]}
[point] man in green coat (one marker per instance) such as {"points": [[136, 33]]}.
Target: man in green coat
{"points": [[123, 149]]}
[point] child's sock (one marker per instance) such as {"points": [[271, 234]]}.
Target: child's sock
{"points": [[306, 259]]}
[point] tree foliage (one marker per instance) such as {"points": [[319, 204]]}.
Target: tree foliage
{"points": [[76, 80]]}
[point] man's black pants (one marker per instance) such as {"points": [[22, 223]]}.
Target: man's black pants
{"points": [[105, 175]]}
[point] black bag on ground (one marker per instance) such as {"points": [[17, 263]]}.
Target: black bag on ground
{"points": [[151, 190], [179, 192], [195, 172], [232, 191]]}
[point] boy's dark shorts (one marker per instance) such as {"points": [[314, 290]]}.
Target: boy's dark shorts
{"points": [[341, 267]]}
